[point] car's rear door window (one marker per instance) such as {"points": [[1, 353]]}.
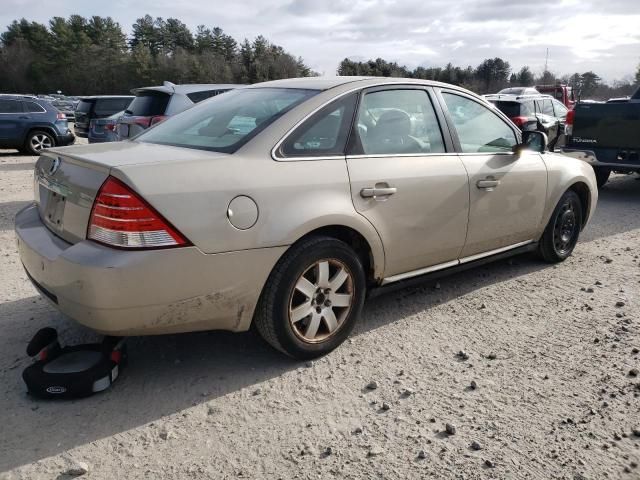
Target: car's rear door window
{"points": [[547, 107], [325, 133], [403, 121], [479, 129], [560, 109], [228, 121], [10, 106]]}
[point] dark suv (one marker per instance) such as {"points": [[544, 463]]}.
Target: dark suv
{"points": [[534, 112], [101, 106], [30, 124]]}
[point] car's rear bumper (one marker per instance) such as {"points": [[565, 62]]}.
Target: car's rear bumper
{"points": [[605, 158], [143, 292], [66, 139]]}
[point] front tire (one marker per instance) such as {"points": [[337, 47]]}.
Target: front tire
{"points": [[37, 141], [312, 298], [562, 232], [602, 175]]}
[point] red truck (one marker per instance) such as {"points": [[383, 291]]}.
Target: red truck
{"points": [[561, 92]]}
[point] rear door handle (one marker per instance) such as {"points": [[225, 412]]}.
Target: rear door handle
{"points": [[377, 192], [488, 184]]}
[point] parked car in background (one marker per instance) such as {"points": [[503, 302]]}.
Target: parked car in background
{"points": [[97, 107], [534, 112], [153, 104], [561, 92], [65, 106], [31, 124], [285, 203], [104, 129], [606, 135], [519, 91]]}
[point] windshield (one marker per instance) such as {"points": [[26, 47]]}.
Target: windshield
{"points": [[226, 122]]}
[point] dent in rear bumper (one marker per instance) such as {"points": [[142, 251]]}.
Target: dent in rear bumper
{"points": [[144, 292]]}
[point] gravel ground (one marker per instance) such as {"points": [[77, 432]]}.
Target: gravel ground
{"points": [[545, 387]]}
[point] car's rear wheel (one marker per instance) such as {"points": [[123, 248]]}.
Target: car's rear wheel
{"points": [[602, 175], [37, 141], [562, 232], [312, 298]]}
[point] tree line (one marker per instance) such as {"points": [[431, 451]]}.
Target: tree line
{"points": [[82, 56], [492, 75]]}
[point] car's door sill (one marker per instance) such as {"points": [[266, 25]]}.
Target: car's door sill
{"points": [[417, 277]]}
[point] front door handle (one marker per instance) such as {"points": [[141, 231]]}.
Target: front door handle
{"points": [[488, 184], [376, 192]]}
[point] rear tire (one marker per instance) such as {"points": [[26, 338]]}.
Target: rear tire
{"points": [[312, 298], [602, 175], [562, 232], [37, 141]]}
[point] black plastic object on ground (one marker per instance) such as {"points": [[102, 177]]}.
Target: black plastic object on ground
{"points": [[72, 371]]}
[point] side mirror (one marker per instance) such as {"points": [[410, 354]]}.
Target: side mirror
{"points": [[534, 141]]}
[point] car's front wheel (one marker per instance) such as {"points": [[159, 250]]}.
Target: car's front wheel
{"points": [[312, 298], [37, 141], [562, 232]]}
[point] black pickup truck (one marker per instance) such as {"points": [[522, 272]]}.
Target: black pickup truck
{"points": [[606, 135]]}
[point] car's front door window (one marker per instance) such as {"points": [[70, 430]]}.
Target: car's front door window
{"points": [[479, 129]]}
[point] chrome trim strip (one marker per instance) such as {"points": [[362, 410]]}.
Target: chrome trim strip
{"points": [[422, 271], [453, 263], [478, 256]]}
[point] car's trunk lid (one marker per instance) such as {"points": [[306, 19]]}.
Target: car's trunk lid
{"points": [[64, 191], [67, 179]]}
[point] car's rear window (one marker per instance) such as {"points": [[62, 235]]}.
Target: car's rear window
{"points": [[149, 104], [228, 121], [109, 106], [515, 109], [84, 106]]}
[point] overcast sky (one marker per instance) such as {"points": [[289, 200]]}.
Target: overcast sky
{"points": [[598, 35]]}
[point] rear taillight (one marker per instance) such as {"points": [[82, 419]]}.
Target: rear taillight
{"points": [[61, 116], [110, 127], [121, 218], [520, 121], [568, 122], [158, 119]]}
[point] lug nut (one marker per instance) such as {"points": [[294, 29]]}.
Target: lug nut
{"points": [[327, 303], [318, 310]]}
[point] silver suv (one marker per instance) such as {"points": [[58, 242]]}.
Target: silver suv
{"points": [[152, 105]]}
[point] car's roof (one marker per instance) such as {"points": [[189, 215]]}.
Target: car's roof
{"points": [[186, 88], [326, 83], [17, 96], [508, 97]]}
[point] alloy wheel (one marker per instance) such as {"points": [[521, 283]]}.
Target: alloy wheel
{"points": [[40, 141], [321, 300]]}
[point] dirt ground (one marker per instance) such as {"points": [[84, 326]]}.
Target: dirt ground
{"points": [[550, 349]]}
